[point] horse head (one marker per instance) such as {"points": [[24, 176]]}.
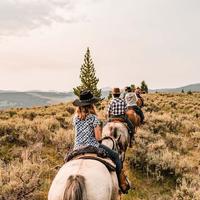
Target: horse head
{"points": [[119, 132]]}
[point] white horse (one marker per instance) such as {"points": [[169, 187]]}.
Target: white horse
{"points": [[119, 131], [85, 179]]}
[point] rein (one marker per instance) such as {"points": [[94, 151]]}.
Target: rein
{"points": [[115, 145]]}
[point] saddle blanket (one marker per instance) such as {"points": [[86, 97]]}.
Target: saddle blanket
{"points": [[94, 153]]}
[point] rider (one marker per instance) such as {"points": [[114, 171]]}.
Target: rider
{"points": [[131, 101], [138, 94], [123, 94], [88, 132], [117, 109]]}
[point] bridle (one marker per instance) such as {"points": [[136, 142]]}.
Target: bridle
{"points": [[115, 146]]}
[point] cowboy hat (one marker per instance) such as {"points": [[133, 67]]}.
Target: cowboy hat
{"points": [[86, 98], [128, 89], [116, 91]]}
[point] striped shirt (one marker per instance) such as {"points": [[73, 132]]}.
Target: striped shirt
{"points": [[84, 131], [117, 106]]}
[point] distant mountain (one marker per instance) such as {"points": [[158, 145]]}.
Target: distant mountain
{"points": [[106, 89], [9, 99], [192, 87]]}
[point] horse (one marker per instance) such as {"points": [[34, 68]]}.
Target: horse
{"points": [[134, 118], [139, 102], [119, 131], [85, 179]]}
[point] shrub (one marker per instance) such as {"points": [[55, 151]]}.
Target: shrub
{"points": [[189, 92], [19, 181], [70, 109]]}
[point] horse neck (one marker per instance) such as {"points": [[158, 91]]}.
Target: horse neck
{"points": [[108, 142]]}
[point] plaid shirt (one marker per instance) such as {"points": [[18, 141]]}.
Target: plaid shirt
{"points": [[117, 106], [84, 129]]}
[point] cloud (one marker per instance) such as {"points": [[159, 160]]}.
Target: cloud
{"points": [[20, 16]]}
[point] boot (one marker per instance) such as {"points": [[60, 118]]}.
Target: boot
{"points": [[123, 183]]}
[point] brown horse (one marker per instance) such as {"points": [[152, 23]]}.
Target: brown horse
{"points": [[139, 102], [134, 118], [136, 121]]}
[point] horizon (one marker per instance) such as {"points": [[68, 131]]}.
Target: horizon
{"points": [[67, 91], [42, 44]]}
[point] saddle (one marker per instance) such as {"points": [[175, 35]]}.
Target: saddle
{"points": [[135, 108], [117, 119], [93, 153]]}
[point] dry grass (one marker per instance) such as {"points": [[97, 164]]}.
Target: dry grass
{"points": [[33, 144], [168, 144], [164, 162]]}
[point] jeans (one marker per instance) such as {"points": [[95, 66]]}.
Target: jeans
{"points": [[138, 111], [114, 156]]}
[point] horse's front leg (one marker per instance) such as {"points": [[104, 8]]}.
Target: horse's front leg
{"points": [[122, 156]]}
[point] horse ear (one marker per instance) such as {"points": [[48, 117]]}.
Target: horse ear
{"points": [[118, 138]]}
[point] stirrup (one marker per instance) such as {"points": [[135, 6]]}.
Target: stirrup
{"points": [[128, 186]]}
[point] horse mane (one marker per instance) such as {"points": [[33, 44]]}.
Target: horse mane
{"points": [[75, 188], [113, 131]]}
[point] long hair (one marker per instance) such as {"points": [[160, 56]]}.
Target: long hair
{"points": [[75, 188], [83, 111]]}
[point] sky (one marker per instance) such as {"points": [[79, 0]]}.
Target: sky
{"points": [[43, 42]]}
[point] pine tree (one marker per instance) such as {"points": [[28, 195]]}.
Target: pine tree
{"points": [[88, 77], [133, 87], [144, 87], [110, 95]]}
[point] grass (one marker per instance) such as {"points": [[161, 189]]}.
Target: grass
{"points": [[146, 187], [163, 163]]}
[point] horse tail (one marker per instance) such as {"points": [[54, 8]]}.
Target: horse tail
{"points": [[75, 188]]}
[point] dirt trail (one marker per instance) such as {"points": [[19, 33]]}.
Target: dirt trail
{"points": [[146, 188]]}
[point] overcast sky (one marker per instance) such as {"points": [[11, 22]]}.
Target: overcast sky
{"points": [[43, 42]]}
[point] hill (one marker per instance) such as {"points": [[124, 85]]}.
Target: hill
{"points": [[9, 99], [192, 87], [14, 99]]}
